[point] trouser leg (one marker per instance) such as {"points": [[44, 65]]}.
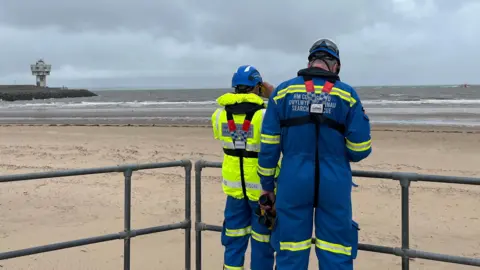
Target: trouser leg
{"points": [[235, 232], [334, 230], [292, 234], [262, 251]]}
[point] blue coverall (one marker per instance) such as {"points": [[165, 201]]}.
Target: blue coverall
{"points": [[239, 214], [335, 232]]}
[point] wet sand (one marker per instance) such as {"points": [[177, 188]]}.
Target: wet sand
{"points": [[444, 218]]}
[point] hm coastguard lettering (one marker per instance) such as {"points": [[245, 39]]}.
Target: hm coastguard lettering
{"points": [[300, 102], [329, 105]]}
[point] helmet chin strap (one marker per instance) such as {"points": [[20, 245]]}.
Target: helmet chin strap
{"points": [[248, 89], [327, 62], [328, 67], [242, 89]]}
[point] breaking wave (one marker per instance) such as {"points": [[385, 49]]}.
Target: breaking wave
{"points": [[137, 104]]}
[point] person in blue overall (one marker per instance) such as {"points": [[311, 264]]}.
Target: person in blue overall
{"points": [[320, 127]]}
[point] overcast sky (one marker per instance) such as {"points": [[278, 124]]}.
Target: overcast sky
{"points": [[199, 43]]}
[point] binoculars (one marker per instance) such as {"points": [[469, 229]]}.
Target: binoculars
{"points": [[266, 218]]}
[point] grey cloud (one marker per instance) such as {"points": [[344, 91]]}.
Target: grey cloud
{"points": [[164, 18], [288, 26], [91, 14], [381, 41], [261, 24]]}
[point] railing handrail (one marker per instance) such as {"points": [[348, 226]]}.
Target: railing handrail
{"points": [[128, 232], [404, 251], [87, 171], [386, 175], [403, 177]]}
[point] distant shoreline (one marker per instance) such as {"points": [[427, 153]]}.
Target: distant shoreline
{"points": [[229, 88], [374, 127]]}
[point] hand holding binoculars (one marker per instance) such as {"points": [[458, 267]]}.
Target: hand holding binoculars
{"points": [[266, 211]]}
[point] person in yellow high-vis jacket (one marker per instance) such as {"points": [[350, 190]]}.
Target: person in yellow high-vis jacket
{"points": [[237, 124]]}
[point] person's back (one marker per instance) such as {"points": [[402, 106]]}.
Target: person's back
{"points": [[331, 143], [237, 124], [322, 127], [237, 105]]}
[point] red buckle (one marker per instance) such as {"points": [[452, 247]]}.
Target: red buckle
{"points": [[310, 86], [231, 125], [246, 125], [327, 87]]}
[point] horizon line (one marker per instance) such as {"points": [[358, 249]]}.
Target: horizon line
{"points": [[218, 88]]}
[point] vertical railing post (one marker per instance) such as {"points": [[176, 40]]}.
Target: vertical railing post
{"points": [[405, 185], [127, 218], [188, 214], [198, 214]]}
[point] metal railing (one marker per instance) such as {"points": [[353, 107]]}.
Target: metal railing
{"points": [[128, 233], [404, 178], [405, 252]]}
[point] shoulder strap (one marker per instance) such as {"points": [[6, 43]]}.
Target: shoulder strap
{"points": [[246, 123], [240, 143], [310, 118], [239, 139]]}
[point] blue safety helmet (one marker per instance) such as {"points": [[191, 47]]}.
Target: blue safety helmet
{"points": [[325, 45], [246, 75], [323, 49]]}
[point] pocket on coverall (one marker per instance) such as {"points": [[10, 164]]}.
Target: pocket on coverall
{"points": [[355, 229]]}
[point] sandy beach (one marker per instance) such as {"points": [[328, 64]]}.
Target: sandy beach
{"points": [[444, 218]]}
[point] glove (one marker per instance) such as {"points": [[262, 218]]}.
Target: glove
{"points": [[266, 210], [270, 196]]}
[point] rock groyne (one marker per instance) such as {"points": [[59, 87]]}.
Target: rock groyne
{"points": [[29, 92]]}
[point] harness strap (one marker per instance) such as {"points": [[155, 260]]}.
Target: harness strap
{"points": [[307, 119], [310, 118], [326, 88], [317, 119], [240, 153], [240, 145], [239, 137]]}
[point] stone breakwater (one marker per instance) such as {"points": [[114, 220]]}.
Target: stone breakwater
{"points": [[29, 92]]}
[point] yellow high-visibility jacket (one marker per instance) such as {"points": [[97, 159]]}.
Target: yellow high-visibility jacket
{"points": [[240, 106]]}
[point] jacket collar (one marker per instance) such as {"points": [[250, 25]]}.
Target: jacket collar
{"points": [[232, 98]]}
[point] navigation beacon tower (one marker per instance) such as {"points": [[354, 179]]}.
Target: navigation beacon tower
{"points": [[41, 71]]}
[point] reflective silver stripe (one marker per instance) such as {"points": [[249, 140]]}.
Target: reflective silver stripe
{"points": [[334, 248], [264, 238], [263, 112], [238, 184], [270, 139], [296, 246], [263, 116], [228, 267], [238, 232], [249, 147], [219, 112], [266, 171]]}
